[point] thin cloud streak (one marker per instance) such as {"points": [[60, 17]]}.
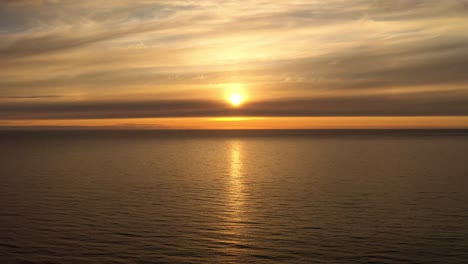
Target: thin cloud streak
{"points": [[32, 97]]}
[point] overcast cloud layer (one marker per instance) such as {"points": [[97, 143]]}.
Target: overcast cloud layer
{"points": [[174, 58]]}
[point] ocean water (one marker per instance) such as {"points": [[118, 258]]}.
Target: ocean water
{"points": [[231, 197]]}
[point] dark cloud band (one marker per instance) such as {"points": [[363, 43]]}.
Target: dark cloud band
{"points": [[362, 106]]}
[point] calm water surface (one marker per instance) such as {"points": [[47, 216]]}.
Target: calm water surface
{"points": [[86, 198]]}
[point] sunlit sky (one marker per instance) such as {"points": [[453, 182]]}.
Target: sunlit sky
{"points": [[288, 64]]}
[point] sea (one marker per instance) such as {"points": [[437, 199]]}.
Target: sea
{"points": [[347, 196]]}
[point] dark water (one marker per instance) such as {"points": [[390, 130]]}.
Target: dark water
{"points": [[127, 197]]}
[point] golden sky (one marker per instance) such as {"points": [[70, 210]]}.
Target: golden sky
{"points": [[175, 64]]}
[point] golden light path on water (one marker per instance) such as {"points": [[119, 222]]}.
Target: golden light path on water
{"points": [[236, 177], [235, 217]]}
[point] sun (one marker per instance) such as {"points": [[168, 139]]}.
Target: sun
{"points": [[236, 99]]}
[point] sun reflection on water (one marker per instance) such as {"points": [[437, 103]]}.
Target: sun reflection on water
{"points": [[234, 225], [236, 181], [236, 163], [235, 216]]}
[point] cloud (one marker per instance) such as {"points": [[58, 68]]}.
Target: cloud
{"points": [[26, 2], [345, 106], [31, 97], [37, 44]]}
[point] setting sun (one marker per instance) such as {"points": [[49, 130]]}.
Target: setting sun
{"points": [[236, 99]]}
